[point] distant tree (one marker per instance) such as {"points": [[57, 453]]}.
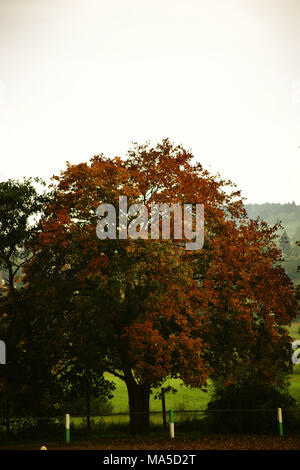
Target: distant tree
{"points": [[285, 244], [296, 235]]}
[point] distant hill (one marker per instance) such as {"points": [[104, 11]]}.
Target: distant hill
{"points": [[289, 215]]}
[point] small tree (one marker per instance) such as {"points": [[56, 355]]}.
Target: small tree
{"points": [[85, 386], [285, 244]]}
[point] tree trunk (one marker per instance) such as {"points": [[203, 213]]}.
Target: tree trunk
{"points": [[163, 402], [138, 397]]}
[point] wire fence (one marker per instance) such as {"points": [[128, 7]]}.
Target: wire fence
{"points": [[186, 422]]}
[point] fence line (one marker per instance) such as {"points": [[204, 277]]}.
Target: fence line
{"points": [[204, 421], [128, 413]]}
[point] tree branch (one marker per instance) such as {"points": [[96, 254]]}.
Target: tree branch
{"points": [[116, 374]]}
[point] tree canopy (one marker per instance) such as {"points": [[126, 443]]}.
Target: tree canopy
{"points": [[149, 309]]}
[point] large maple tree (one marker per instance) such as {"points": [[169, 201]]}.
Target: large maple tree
{"points": [[153, 309]]}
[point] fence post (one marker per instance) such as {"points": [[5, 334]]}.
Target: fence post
{"points": [[67, 428], [163, 402], [280, 425], [172, 431]]}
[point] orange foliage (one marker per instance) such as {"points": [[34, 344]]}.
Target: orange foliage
{"points": [[170, 312]]}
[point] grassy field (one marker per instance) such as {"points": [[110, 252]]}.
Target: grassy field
{"points": [[185, 398], [295, 377]]}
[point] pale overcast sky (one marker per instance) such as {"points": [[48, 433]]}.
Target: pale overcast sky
{"points": [[221, 77]]}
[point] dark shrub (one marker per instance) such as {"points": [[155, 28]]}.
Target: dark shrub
{"points": [[248, 407]]}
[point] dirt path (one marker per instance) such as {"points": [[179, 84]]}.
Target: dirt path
{"points": [[207, 443]]}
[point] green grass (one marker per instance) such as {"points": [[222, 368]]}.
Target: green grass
{"points": [[295, 326], [295, 386], [295, 377], [184, 399]]}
